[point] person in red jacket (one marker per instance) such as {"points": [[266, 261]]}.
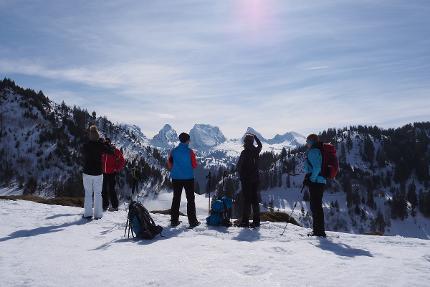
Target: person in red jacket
{"points": [[112, 164]]}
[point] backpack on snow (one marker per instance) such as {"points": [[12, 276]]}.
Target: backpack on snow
{"points": [[220, 212], [140, 222], [330, 163]]}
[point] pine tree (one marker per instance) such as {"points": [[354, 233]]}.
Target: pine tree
{"points": [[347, 188], [381, 158], [342, 157], [370, 198], [412, 195], [279, 178], [283, 153], [368, 149], [349, 143]]}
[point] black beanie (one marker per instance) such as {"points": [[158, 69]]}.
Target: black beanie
{"points": [[184, 137]]}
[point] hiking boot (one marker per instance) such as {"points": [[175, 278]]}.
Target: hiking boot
{"points": [[194, 224], [174, 223], [317, 234], [243, 224], [255, 225], [113, 209], [87, 217]]}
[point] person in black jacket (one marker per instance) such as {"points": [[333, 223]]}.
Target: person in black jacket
{"points": [[247, 167], [93, 173]]}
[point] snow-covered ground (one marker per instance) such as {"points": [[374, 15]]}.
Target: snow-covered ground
{"points": [[43, 245]]}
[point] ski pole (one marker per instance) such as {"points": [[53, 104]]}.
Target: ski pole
{"points": [[291, 214], [209, 177], [126, 226]]}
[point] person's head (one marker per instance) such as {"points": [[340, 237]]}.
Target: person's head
{"points": [[248, 141], [312, 140], [93, 133], [108, 141], [184, 138]]}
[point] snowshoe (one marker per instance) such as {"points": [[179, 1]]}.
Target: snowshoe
{"points": [[112, 209]]}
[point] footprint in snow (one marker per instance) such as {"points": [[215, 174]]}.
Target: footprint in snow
{"points": [[278, 249], [253, 270], [151, 283]]}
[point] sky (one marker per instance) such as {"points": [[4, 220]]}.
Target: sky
{"points": [[276, 66]]}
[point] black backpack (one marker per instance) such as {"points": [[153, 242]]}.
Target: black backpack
{"points": [[140, 222]]}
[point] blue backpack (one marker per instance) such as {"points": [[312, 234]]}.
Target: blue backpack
{"points": [[220, 212]]}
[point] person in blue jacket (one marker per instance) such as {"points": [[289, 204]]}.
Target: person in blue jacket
{"points": [[316, 184], [182, 162]]}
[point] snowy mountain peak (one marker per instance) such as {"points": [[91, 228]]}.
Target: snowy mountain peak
{"points": [[291, 137], [135, 130], [166, 137], [250, 130], [205, 136]]}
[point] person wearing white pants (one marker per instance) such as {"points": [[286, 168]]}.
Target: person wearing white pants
{"points": [[93, 185], [92, 175]]}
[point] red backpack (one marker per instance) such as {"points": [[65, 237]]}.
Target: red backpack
{"points": [[330, 163]]}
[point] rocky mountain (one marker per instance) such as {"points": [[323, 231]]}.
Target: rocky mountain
{"points": [[292, 138], [204, 137], [210, 142], [166, 138]]}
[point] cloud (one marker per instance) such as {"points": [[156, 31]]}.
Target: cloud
{"points": [[273, 65], [133, 78]]}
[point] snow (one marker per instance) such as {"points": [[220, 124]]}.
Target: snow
{"points": [[44, 245], [206, 136]]}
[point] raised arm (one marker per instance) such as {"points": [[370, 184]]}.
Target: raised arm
{"points": [[259, 145]]}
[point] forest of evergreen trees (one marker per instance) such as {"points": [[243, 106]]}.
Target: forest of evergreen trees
{"points": [[64, 128]]}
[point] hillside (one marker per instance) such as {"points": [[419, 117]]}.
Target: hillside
{"points": [[383, 185], [206, 256], [40, 144]]}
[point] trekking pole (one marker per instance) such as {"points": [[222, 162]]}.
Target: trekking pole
{"points": [[223, 182], [125, 229], [208, 177], [291, 214]]}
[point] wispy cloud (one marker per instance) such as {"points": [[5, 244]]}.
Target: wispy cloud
{"points": [[274, 65]]}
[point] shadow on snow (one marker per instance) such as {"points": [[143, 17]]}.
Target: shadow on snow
{"points": [[41, 230], [248, 235], [342, 249]]}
